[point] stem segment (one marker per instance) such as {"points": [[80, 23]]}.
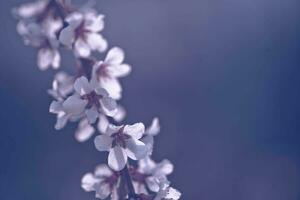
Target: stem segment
{"points": [[131, 192]]}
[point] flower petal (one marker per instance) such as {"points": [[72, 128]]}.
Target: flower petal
{"points": [[135, 149], [112, 86], [56, 59], [148, 140], [84, 131], [115, 56], [61, 121], [88, 182], [45, 58], [74, 105], [92, 114], [164, 168], [103, 142], [118, 70], [111, 129], [94, 23], [108, 106], [136, 130], [117, 158], [82, 86], [102, 171], [82, 49], [120, 115], [152, 184], [102, 190], [67, 36], [102, 124], [154, 128], [96, 42]]}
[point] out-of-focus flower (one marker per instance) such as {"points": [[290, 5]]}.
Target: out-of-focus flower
{"points": [[122, 142], [87, 101], [83, 33], [107, 72], [165, 191], [148, 171], [104, 182], [62, 86], [39, 23], [85, 130], [151, 131]]}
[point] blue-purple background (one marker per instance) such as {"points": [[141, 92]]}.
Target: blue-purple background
{"points": [[223, 76]]}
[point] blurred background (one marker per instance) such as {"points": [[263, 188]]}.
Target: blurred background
{"points": [[223, 77]]}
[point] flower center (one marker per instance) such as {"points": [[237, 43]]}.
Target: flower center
{"points": [[119, 138], [93, 99]]}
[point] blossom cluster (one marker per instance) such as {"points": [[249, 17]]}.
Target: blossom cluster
{"points": [[90, 97]]}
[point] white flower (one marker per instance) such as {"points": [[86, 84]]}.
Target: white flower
{"points": [[165, 191], [150, 132], [122, 142], [103, 182], [87, 101], [148, 171], [62, 86], [39, 25], [107, 72], [83, 33]]}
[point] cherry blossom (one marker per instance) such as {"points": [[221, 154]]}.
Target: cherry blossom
{"points": [[107, 72], [87, 101], [39, 25], [103, 181], [122, 142], [83, 33], [62, 86], [148, 171]]}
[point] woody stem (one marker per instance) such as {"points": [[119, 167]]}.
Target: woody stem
{"points": [[131, 192]]}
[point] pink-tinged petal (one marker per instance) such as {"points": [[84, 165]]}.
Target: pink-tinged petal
{"points": [[84, 131], [112, 86], [121, 113], [103, 171], [61, 121], [154, 128], [102, 190], [115, 56], [56, 107], [108, 106], [92, 115], [146, 165], [101, 91], [117, 158], [96, 42], [31, 9], [88, 182], [74, 19], [67, 36], [74, 105], [135, 149], [82, 49], [103, 142], [45, 58], [136, 130], [93, 22], [56, 59], [148, 140], [118, 70], [164, 168], [102, 124], [82, 86]]}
